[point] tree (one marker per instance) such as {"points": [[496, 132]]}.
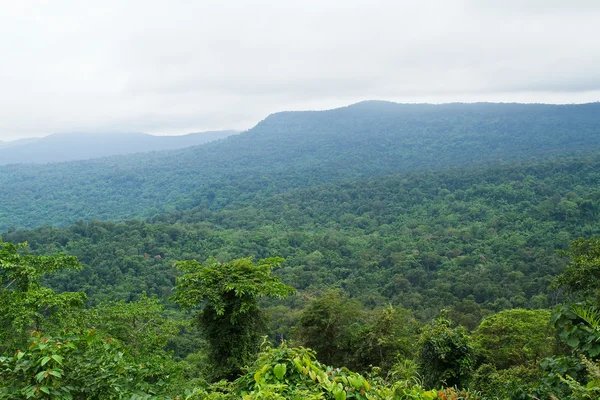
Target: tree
{"points": [[139, 324], [388, 337], [25, 304], [582, 275], [516, 337], [326, 325], [446, 355], [467, 313], [227, 295]]}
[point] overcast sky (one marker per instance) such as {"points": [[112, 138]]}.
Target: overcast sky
{"points": [[173, 67]]}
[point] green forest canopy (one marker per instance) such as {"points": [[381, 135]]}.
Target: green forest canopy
{"points": [[424, 240], [293, 150], [418, 238]]}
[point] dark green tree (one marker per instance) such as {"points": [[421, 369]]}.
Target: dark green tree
{"points": [[227, 295], [582, 276], [389, 336], [446, 355], [326, 326]]}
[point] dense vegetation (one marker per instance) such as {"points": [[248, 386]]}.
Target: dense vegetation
{"points": [[292, 150], [474, 240], [120, 350], [379, 251]]}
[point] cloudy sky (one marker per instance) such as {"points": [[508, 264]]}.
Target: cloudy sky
{"points": [[179, 66]]}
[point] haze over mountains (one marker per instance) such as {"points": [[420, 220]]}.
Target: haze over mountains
{"points": [[292, 150], [81, 146], [17, 142]]}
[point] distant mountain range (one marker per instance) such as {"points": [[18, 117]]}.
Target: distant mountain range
{"points": [[82, 146], [17, 143], [291, 150]]}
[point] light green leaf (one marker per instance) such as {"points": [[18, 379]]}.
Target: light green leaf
{"points": [[279, 370], [56, 372], [340, 395], [355, 381], [57, 358], [40, 376]]}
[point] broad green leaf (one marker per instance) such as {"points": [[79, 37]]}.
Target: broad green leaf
{"points": [[40, 376], [355, 381], [339, 395], [367, 384], [57, 358], [594, 351], [279, 371], [56, 373], [573, 342]]}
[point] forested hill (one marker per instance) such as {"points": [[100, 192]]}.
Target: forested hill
{"points": [[480, 238], [84, 145], [295, 149]]}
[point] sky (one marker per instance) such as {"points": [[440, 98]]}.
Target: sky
{"points": [[180, 66]]}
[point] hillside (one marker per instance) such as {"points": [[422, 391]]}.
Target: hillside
{"points": [[292, 150], [425, 241], [375, 250], [81, 146], [16, 143]]}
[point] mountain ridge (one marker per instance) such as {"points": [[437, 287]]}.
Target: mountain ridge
{"points": [[295, 149], [73, 146]]}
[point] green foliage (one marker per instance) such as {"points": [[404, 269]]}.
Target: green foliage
{"points": [[343, 332], [588, 391], [139, 324], [578, 326], [389, 336], [588, 314], [516, 338], [25, 304], [37, 373], [554, 370], [514, 383], [79, 366], [227, 294], [576, 376], [326, 326], [292, 150], [126, 359], [294, 373], [218, 283], [468, 313], [446, 355], [420, 241], [582, 275], [474, 241], [577, 333]]}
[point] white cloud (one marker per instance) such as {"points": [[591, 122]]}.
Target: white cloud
{"points": [[181, 66]]}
